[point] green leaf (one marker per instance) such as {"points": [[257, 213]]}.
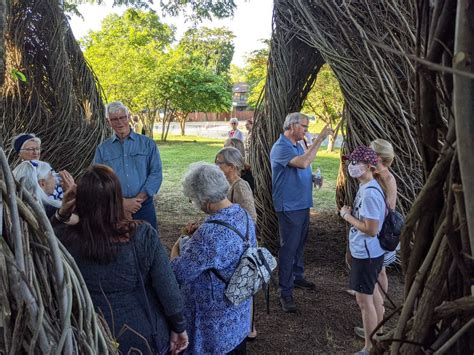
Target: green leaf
{"points": [[18, 75]]}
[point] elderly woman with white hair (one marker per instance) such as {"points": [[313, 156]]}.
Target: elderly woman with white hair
{"points": [[27, 146], [208, 260], [235, 132], [37, 178]]}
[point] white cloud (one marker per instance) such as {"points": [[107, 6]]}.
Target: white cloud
{"points": [[251, 23]]}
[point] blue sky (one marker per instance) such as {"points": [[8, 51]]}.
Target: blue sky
{"points": [[251, 23]]}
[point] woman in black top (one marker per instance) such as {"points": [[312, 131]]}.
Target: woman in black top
{"points": [[112, 253]]}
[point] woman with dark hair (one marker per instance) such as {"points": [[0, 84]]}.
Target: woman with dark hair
{"points": [[124, 265]]}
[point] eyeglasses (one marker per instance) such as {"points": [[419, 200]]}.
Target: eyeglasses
{"points": [[220, 162], [116, 119], [32, 149], [303, 125]]}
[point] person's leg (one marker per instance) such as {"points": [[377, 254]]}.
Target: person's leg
{"points": [[378, 303], [383, 280], [302, 218], [369, 315], [147, 213], [286, 255]]}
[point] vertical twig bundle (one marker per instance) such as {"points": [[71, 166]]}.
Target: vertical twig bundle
{"points": [[45, 303]]}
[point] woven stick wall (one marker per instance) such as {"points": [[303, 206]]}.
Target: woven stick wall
{"points": [[45, 306], [371, 46], [59, 101]]}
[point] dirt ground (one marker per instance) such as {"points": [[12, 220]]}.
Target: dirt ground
{"points": [[326, 317]]}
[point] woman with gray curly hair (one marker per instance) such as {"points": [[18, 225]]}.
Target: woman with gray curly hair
{"points": [[208, 260]]}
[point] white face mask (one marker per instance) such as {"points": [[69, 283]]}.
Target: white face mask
{"points": [[357, 170]]}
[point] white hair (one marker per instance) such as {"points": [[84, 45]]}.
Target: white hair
{"points": [[292, 118], [234, 120], [204, 182], [29, 174], [115, 107]]}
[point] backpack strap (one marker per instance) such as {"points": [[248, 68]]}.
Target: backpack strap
{"points": [[232, 228], [245, 239], [383, 196]]}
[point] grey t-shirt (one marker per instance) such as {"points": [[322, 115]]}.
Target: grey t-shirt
{"points": [[368, 204]]}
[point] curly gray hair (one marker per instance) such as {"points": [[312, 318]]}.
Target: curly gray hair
{"points": [[204, 182], [232, 156], [115, 107], [292, 118]]}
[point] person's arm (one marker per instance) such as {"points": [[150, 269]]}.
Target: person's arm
{"points": [[391, 186], [201, 253], [365, 225], [155, 174], [98, 159], [163, 281], [305, 160]]}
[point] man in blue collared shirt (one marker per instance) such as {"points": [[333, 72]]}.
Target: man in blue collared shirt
{"points": [[136, 161], [292, 193]]}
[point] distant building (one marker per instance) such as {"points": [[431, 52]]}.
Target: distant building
{"points": [[240, 108], [240, 94]]}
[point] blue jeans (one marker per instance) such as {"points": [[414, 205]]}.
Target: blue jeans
{"points": [[293, 228], [147, 213]]}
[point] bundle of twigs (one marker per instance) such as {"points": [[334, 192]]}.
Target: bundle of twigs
{"points": [[47, 87], [45, 305]]}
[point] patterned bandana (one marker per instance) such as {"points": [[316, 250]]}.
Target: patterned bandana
{"points": [[362, 154]]}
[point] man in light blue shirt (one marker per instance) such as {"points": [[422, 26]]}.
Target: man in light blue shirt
{"points": [[292, 193], [136, 161]]}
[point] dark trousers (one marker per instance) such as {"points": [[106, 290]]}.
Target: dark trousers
{"points": [[240, 349], [293, 227], [147, 213]]}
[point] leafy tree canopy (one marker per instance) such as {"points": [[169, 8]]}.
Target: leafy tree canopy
{"points": [[213, 48], [196, 10]]}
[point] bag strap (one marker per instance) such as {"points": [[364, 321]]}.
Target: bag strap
{"points": [[383, 196], [245, 239], [232, 228], [145, 299]]}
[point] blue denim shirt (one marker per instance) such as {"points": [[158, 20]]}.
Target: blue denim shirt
{"points": [[136, 161], [292, 188]]}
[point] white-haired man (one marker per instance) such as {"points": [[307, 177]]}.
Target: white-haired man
{"points": [[292, 198], [136, 161]]}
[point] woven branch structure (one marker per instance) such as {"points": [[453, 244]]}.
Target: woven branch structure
{"points": [[45, 306], [394, 62], [60, 100]]}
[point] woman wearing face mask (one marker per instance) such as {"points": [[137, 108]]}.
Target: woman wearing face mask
{"points": [[214, 324], [366, 219]]}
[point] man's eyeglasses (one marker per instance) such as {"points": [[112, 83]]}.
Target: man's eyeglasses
{"points": [[116, 119], [31, 149], [303, 125]]}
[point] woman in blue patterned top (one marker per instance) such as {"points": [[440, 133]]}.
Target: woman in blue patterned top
{"points": [[214, 324]]}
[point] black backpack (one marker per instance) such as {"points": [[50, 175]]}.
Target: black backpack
{"points": [[389, 235]]}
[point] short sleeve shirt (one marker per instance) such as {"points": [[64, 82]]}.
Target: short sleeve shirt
{"points": [[292, 187], [368, 204]]}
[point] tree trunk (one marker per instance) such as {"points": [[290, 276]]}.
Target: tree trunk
{"points": [[333, 137], [464, 106]]}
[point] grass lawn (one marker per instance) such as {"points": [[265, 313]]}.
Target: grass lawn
{"points": [[178, 152]]}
